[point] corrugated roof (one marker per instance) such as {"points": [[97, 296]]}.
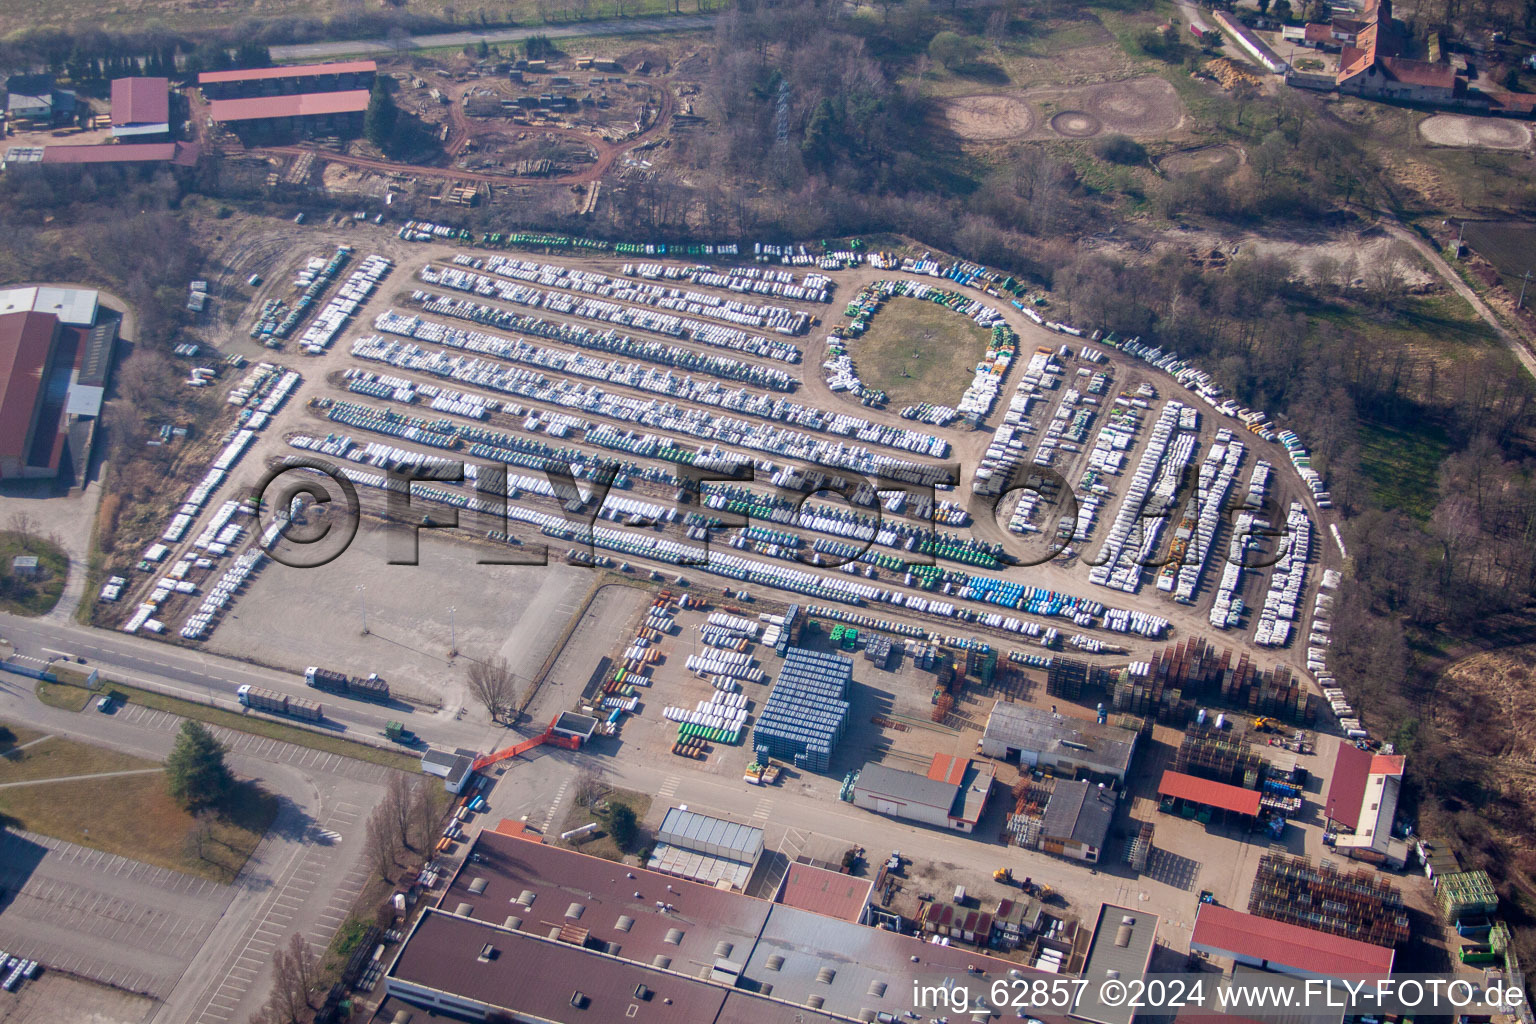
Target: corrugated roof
{"points": [[304, 104], [706, 834], [25, 341], [1209, 793], [1037, 729], [183, 154], [1231, 933], [826, 892], [141, 101], [287, 71], [1079, 811]]}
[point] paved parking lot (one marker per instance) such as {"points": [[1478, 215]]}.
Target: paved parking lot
{"points": [[232, 989], [101, 916]]}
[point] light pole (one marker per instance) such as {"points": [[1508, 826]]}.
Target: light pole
{"points": [[453, 634], [1523, 283], [362, 593]]}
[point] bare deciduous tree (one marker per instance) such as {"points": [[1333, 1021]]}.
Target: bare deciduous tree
{"points": [[293, 979], [493, 684], [380, 843], [425, 813], [589, 786], [396, 807]]}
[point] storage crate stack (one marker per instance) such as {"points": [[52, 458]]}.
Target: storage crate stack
{"points": [[1065, 677], [1209, 754], [1465, 893], [807, 713], [1358, 905]]}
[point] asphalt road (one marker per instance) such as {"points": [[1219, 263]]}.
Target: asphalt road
{"points": [[207, 677], [615, 27]]}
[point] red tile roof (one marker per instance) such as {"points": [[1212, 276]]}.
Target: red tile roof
{"points": [[141, 101], [826, 892], [1419, 72], [25, 340], [287, 71], [1228, 932], [1209, 793], [182, 154], [306, 104], [1318, 33], [1351, 770]]}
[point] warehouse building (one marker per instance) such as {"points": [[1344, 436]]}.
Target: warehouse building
{"points": [[952, 795], [711, 851], [826, 892], [535, 932], [1121, 948], [288, 80], [1362, 799], [176, 154], [141, 108], [296, 115], [1284, 948], [1077, 821], [55, 358], [37, 98], [1036, 738]]}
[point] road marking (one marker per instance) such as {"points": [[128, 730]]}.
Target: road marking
{"points": [[668, 787], [763, 807]]}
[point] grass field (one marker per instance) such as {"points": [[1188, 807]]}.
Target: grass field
{"points": [[130, 815], [600, 843], [31, 596], [57, 757], [1509, 245], [245, 723], [63, 695], [12, 736], [1403, 467], [918, 351]]}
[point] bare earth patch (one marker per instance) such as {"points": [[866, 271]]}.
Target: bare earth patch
{"points": [[1482, 132], [989, 118], [1140, 106], [1198, 161], [1075, 124]]}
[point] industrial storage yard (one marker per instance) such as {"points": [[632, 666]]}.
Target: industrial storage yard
{"points": [[771, 513]]}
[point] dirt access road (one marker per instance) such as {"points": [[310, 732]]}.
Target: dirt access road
{"points": [[1516, 345]]}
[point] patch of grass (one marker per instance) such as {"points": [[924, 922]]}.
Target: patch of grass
{"points": [[57, 757], [600, 843], [918, 351], [63, 695], [12, 736], [257, 726], [1403, 466], [36, 595], [134, 816]]}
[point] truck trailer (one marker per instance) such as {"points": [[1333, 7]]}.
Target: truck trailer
{"points": [[274, 703], [360, 687]]}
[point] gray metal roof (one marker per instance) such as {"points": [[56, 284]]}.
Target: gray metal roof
{"points": [[1037, 729], [1080, 811], [1121, 948], [910, 787], [704, 834]]}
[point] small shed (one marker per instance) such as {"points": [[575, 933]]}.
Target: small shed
{"points": [[25, 566]]}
